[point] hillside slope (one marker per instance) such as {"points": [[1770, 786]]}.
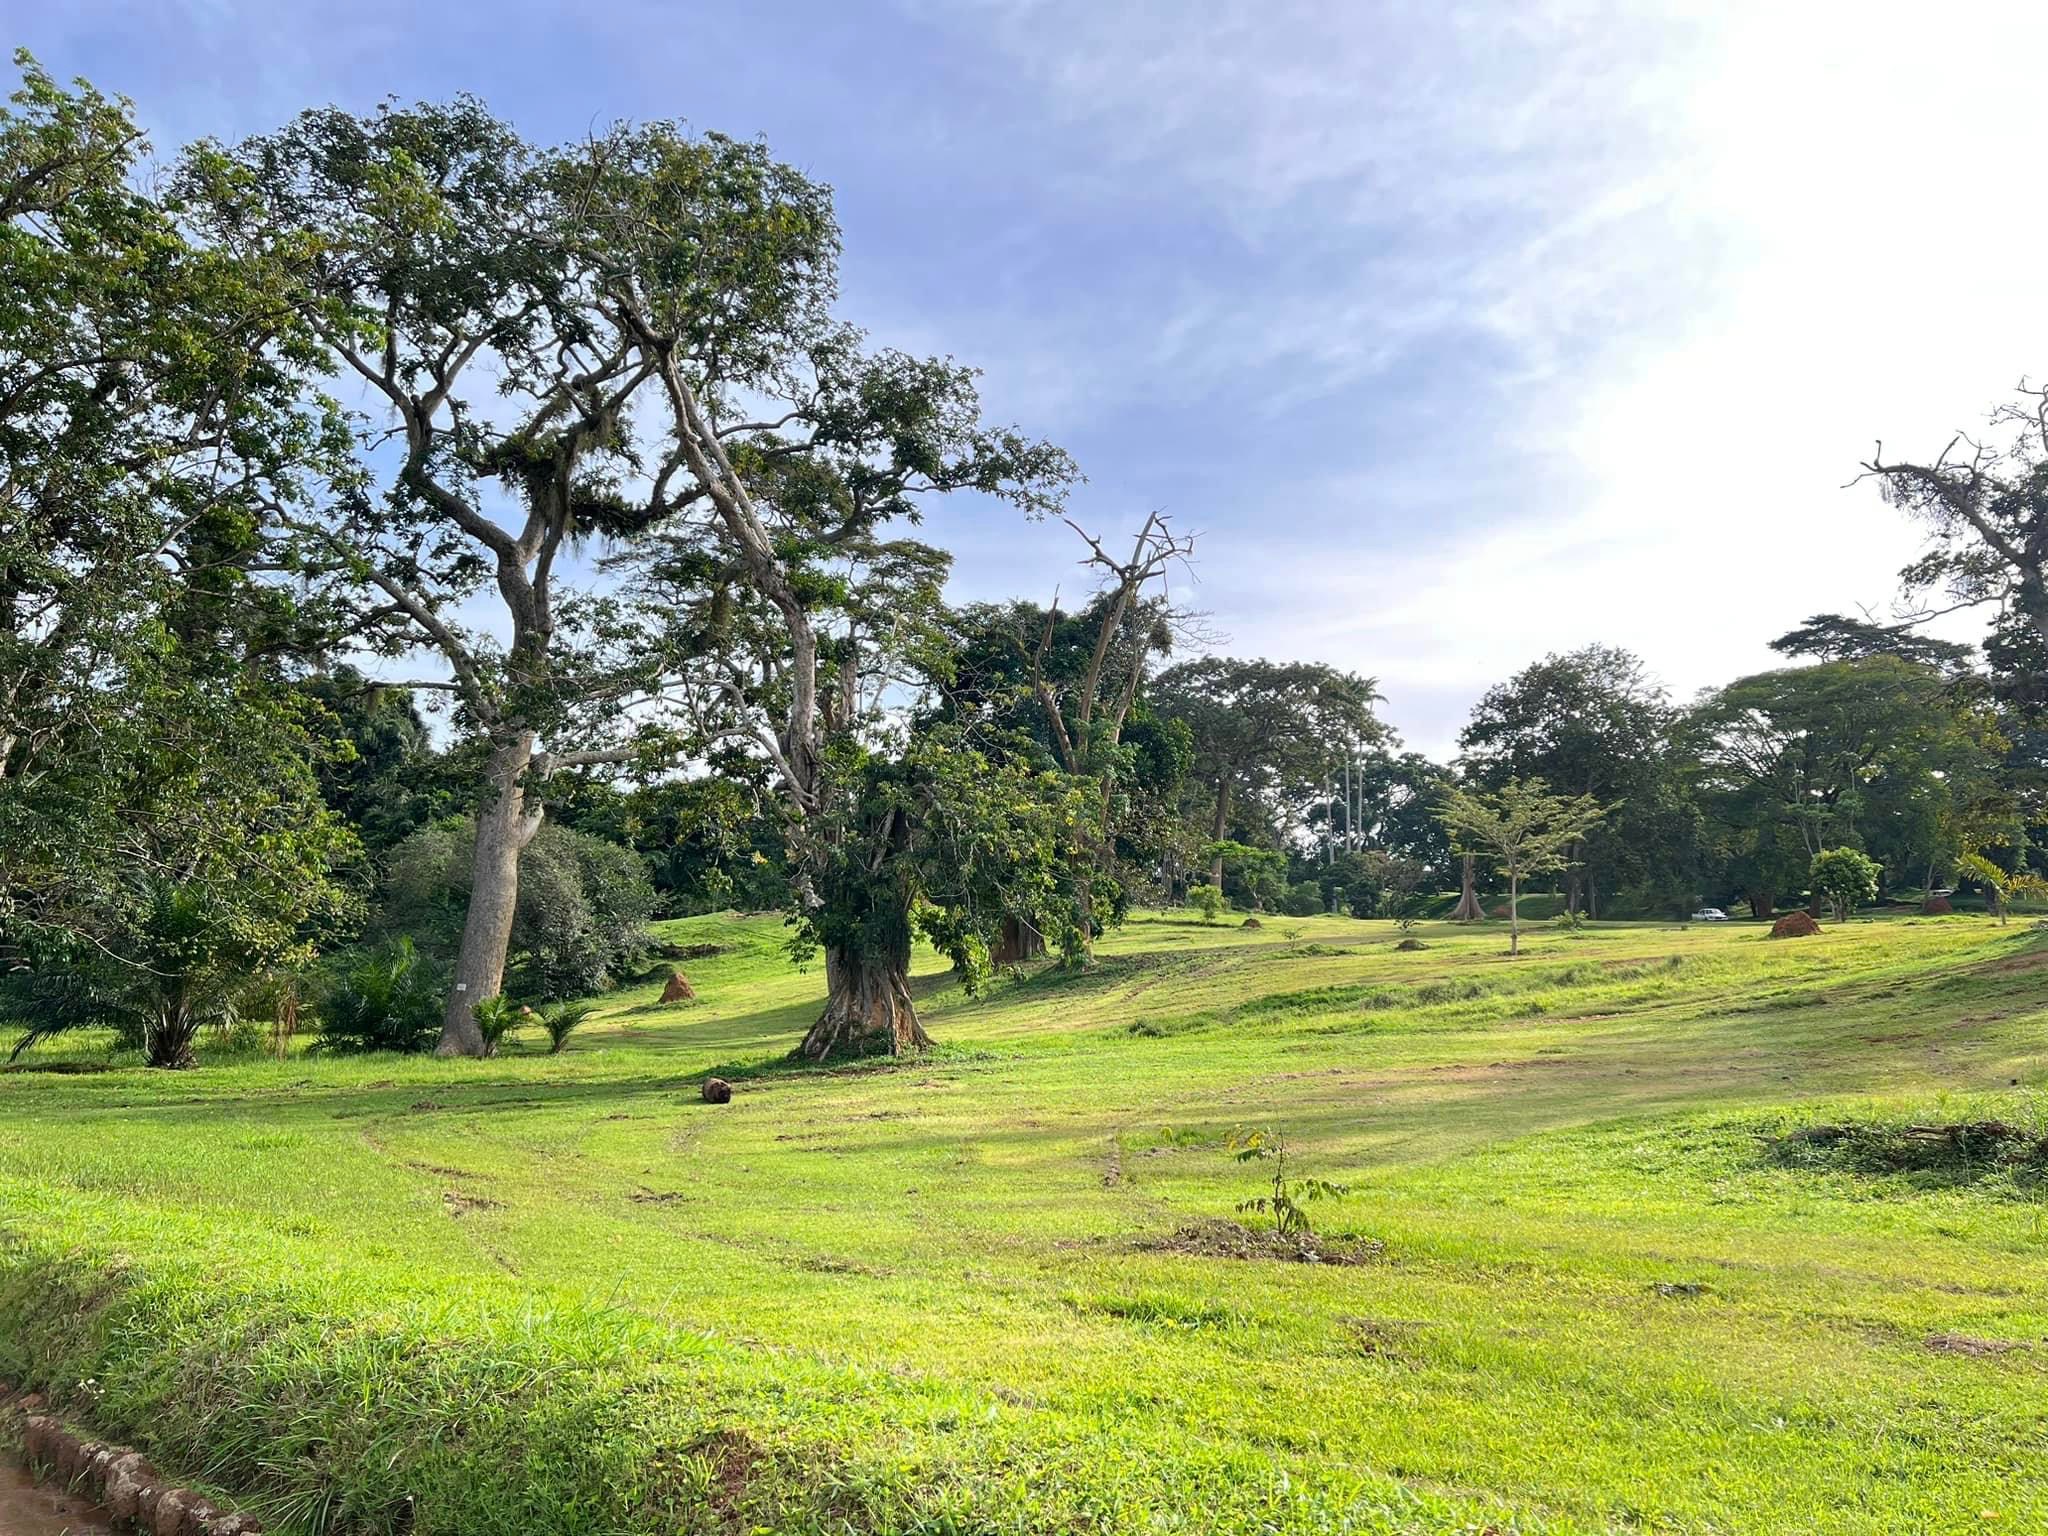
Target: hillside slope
{"points": [[991, 1290]]}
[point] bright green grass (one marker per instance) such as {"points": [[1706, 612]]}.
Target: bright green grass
{"points": [[562, 1294]]}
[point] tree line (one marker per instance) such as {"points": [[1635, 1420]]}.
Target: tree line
{"points": [[412, 533]]}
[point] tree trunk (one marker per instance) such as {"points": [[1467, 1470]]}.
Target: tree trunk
{"points": [[1222, 826], [868, 1011], [1761, 903], [1019, 941], [503, 829], [1469, 910], [1514, 913]]}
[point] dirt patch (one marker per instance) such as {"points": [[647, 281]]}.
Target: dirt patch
{"points": [[1681, 1290], [460, 1204], [1386, 1338], [691, 951], [827, 1264], [2032, 960], [1795, 925], [1234, 1240], [1970, 1348], [733, 1457]]}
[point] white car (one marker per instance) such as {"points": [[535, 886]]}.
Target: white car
{"points": [[1710, 915]]}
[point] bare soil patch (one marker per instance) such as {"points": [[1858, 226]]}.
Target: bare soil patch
{"points": [[1969, 1347], [1234, 1240]]}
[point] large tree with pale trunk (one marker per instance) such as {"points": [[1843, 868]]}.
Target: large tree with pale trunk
{"points": [[469, 284]]}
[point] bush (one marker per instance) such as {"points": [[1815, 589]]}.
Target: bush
{"points": [[389, 1000], [496, 1018], [1845, 878], [1207, 900], [562, 1021], [581, 919], [1303, 899]]}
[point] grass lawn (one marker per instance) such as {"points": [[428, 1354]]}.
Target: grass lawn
{"points": [[973, 1293]]}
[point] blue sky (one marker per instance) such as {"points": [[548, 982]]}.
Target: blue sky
{"points": [[1462, 332]]}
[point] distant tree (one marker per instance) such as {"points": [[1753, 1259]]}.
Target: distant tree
{"points": [[384, 775], [708, 843], [1835, 637], [1087, 706], [1260, 871], [1396, 881], [1071, 686], [1830, 752], [1264, 733], [1845, 878], [1468, 909], [1592, 722], [1523, 828]]}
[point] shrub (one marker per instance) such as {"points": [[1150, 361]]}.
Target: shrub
{"points": [[1569, 921], [388, 1000], [1845, 878], [562, 1021], [1207, 900], [581, 919], [1303, 899], [496, 1018]]}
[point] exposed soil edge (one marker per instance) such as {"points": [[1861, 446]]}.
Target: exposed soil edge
{"points": [[121, 1481]]}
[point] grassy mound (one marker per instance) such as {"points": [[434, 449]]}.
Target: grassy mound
{"points": [[1938, 1149]]}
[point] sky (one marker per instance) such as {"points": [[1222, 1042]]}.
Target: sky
{"points": [[1460, 333]]}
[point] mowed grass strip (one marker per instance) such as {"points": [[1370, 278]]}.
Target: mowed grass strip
{"points": [[958, 1294]]}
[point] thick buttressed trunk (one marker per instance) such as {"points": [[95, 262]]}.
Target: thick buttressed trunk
{"points": [[1468, 910], [503, 829], [868, 1011], [1761, 903], [1019, 941]]}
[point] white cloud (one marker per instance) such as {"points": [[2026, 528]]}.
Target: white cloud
{"points": [[1708, 251]]}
